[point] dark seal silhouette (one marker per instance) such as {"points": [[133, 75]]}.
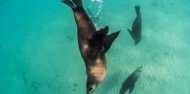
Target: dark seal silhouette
{"points": [[129, 83], [93, 45], [136, 28]]}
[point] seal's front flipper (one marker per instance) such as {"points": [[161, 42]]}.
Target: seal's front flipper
{"points": [[104, 31], [131, 89], [101, 33], [109, 40], [136, 42], [98, 36], [130, 31]]}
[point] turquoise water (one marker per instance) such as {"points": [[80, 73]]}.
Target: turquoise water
{"points": [[39, 52]]}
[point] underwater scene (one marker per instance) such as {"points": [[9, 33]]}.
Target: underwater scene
{"points": [[94, 47]]}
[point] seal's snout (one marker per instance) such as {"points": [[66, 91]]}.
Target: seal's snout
{"points": [[90, 89], [91, 86], [90, 92]]}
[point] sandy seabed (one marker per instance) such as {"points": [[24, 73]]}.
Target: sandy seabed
{"points": [[39, 52]]}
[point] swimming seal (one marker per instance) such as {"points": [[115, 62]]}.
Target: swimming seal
{"points": [[129, 83], [92, 44], [136, 28]]}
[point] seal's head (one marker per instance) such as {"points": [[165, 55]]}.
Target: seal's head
{"points": [[91, 85], [94, 77]]}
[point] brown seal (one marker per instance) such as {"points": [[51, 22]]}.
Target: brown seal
{"points": [[93, 45]]}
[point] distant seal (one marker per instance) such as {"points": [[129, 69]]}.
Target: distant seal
{"points": [[92, 44], [136, 28], [129, 83]]}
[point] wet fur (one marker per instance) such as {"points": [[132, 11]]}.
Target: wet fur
{"points": [[92, 44]]}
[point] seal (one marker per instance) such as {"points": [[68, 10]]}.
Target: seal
{"points": [[93, 45], [129, 83], [136, 28]]}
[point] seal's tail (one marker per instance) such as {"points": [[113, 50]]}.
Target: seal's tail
{"points": [[73, 3], [137, 9]]}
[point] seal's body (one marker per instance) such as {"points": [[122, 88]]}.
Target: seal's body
{"points": [[136, 28], [129, 83], [92, 44]]}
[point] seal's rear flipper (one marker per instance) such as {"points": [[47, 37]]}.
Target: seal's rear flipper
{"points": [[78, 3], [137, 9], [109, 40], [73, 4], [69, 3]]}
